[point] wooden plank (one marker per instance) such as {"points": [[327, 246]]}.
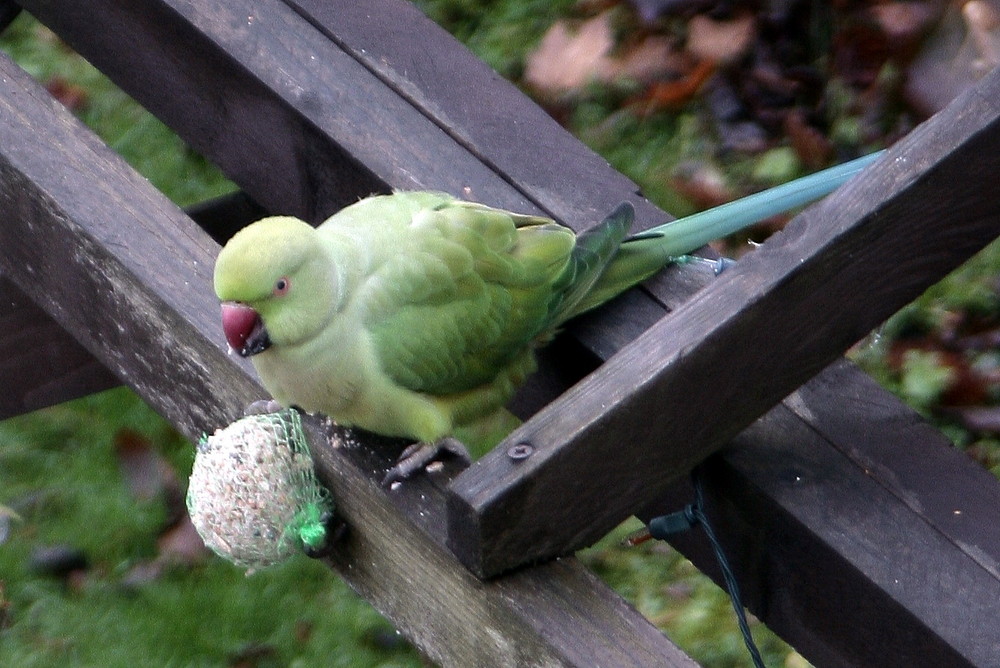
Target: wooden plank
{"points": [[635, 311], [80, 222], [907, 576], [476, 107], [395, 555], [43, 364], [102, 279], [765, 324], [40, 363], [240, 82]]}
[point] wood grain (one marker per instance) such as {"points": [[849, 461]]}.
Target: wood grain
{"points": [[250, 97], [889, 568], [395, 555], [128, 273], [739, 346], [43, 364], [296, 122]]}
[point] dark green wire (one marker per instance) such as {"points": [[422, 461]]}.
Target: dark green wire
{"points": [[694, 515]]}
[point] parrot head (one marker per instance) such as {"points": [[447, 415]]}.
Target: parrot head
{"points": [[276, 285]]}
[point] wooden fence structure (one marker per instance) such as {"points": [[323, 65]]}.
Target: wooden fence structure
{"points": [[857, 533]]}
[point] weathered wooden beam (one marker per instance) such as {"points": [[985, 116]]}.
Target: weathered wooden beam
{"points": [[40, 363], [739, 346], [129, 274], [64, 242], [372, 42], [868, 551], [43, 364], [476, 107], [396, 556], [295, 121]]}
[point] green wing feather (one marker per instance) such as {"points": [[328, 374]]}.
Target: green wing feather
{"points": [[465, 297]]}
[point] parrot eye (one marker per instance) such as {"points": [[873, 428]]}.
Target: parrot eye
{"points": [[281, 286]]}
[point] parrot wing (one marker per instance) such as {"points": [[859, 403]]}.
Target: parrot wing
{"points": [[464, 295]]}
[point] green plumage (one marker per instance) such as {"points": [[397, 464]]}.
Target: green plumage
{"points": [[425, 310], [418, 315]]}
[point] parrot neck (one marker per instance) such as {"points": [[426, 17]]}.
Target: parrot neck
{"points": [[343, 258]]}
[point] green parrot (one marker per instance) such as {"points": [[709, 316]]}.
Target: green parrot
{"points": [[418, 315]]}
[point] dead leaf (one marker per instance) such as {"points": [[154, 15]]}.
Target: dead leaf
{"points": [[903, 23], [71, 95], [982, 19], [567, 60], [146, 472], [253, 655], [181, 544], [675, 94], [571, 57], [811, 146], [721, 42], [652, 58], [701, 184]]}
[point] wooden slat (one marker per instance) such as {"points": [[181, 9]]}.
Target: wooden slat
{"points": [[739, 346], [130, 275], [40, 363], [899, 566], [101, 278], [476, 107], [256, 88], [601, 334], [395, 555]]}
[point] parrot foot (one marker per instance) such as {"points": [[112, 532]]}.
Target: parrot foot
{"points": [[419, 455]]}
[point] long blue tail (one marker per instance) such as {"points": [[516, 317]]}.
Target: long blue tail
{"points": [[686, 234]]}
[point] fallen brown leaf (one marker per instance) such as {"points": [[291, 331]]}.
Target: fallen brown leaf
{"points": [[811, 146], [721, 42], [181, 544], [147, 474], [572, 55], [71, 95], [567, 60], [675, 94]]}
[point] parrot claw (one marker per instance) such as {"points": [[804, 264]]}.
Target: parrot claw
{"points": [[419, 455]]}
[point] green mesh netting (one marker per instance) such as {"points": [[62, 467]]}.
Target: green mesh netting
{"points": [[253, 495]]}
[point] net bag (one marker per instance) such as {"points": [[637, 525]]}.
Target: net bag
{"points": [[253, 495]]}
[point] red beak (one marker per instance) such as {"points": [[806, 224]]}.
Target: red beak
{"points": [[244, 329]]}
